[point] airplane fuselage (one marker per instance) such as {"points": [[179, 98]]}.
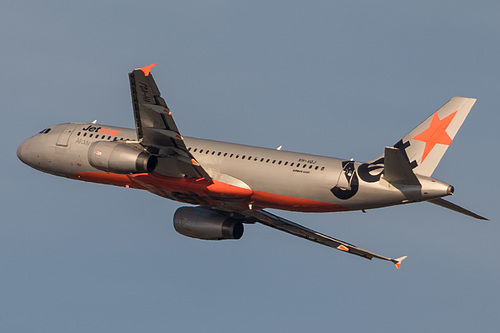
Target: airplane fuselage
{"points": [[232, 184], [245, 177]]}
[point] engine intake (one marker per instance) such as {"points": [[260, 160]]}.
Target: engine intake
{"points": [[120, 158], [204, 223]]}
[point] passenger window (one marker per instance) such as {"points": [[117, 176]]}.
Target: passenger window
{"points": [[231, 155], [225, 154], [218, 154], [316, 168], [291, 164], [279, 162], [262, 159], [243, 157], [286, 163], [322, 168]]}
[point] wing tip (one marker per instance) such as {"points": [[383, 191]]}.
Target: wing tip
{"points": [[147, 69], [398, 261]]}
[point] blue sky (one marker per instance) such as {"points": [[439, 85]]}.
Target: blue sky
{"points": [[337, 78]]}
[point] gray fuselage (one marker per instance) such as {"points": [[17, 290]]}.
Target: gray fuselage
{"points": [[272, 175]]}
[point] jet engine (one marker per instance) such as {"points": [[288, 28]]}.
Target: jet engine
{"points": [[204, 223], [120, 158]]}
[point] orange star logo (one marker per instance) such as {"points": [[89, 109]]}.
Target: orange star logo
{"points": [[435, 133]]}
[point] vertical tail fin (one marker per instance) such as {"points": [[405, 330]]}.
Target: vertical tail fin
{"points": [[426, 144]]}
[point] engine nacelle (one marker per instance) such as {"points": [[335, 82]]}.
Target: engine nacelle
{"points": [[203, 223], [120, 158]]}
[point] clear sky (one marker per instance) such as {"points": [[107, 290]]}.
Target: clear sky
{"points": [[337, 78]]}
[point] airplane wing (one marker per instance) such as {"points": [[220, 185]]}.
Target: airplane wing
{"points": [[157, 131], [290, 227]]}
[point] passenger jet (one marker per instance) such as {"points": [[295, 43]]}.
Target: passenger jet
{"points": [[231, 184]]}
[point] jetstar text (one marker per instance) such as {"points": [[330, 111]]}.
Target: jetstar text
{"points": [[107, 131]]}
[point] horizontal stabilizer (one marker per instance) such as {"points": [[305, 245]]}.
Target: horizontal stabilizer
{"points": [[456, 208], [397, 169]]}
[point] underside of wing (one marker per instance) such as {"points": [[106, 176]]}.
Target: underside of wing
{"points": [[157, 131], [290, 227]]}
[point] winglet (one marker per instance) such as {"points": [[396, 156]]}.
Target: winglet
{"points": [[398, 261], [147, 69]]}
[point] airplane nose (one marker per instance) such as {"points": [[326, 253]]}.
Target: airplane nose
{"points": [[20, 152], [23, 151]]}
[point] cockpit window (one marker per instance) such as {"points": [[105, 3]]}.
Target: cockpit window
{"points": [[45, 131]]}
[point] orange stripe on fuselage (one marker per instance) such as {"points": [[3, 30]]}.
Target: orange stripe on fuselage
{"points": [[198, 186], [202, 192], [107, 178]]}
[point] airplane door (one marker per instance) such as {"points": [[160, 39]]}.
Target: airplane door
{"points": [[64, 136], [347, 183], [346, 176]]}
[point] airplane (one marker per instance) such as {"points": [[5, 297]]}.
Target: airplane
{"points": [[232, 184]]}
